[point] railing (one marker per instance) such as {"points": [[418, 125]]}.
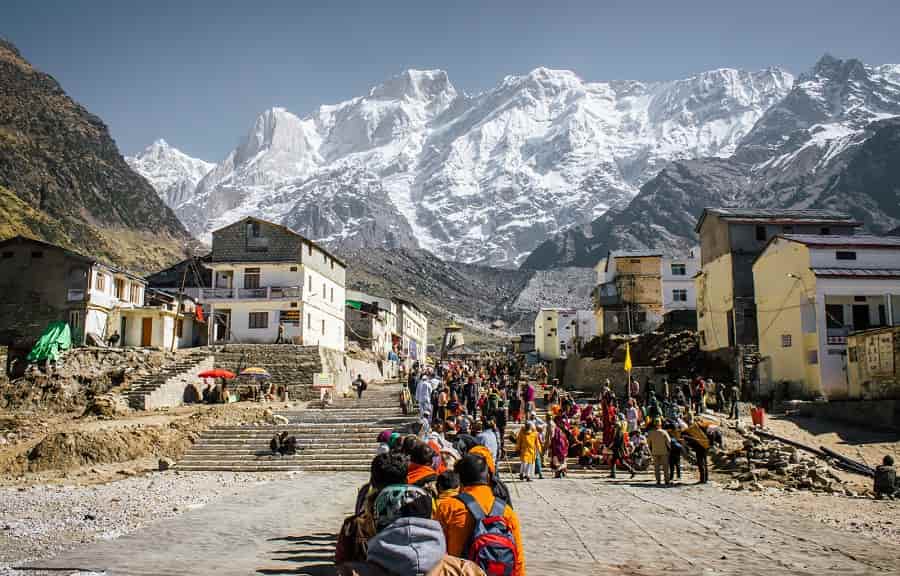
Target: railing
{"points": [[267, 293], [75, 295], [217, 293]]}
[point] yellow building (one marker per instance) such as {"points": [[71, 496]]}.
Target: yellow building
{"points": [[629, 296], [730, 241], [553, 330], [811, 291]]}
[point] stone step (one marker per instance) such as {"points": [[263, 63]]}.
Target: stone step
{"points": [[257, 468], [253, 450]]}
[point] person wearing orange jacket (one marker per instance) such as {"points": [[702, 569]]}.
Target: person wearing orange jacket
{"points": [[456, 521], [420, 472]]}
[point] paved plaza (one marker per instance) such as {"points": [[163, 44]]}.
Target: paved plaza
{"points": [[570, 526]]}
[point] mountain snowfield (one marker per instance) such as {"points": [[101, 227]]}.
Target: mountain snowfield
{"points": [[172, 173], [831, 142], [472, 178]]}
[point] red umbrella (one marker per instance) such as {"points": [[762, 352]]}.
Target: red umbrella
{"points": [[217, 373]]}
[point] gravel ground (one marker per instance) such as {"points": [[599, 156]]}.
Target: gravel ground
{"points": [[41, 521]]}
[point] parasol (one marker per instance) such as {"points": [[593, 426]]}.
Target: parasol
{"points": [[217, 373], [256, 372]]}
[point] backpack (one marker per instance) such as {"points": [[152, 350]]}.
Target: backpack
{"points": [[492, 545]]}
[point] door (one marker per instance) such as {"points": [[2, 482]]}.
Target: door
{"points": [[861, 317], [146, 332], [123, 325]]}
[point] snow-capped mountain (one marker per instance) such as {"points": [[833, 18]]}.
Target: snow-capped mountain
{"points": [[481, 178], [832, 142], [172, 173]]}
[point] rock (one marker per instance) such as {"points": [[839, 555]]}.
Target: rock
{"points": [[165, 464], [755, 487], [734, 485]]}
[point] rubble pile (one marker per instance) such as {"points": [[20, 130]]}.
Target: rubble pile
{"points": [[673, 353], [760, 463], [78, 375]]}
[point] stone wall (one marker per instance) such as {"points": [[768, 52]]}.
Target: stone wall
{"points": [[275, 243], [874, 414], [172, 393], [293, 366], [590, 374]]}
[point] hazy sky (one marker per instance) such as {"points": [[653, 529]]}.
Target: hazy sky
{"points": [[198, 72]]}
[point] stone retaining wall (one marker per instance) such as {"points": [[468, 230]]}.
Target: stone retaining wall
{"points": [[172, 393], [874, 414], [590, 374]]}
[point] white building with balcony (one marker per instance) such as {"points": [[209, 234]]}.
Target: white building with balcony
{"points": [[413, 326], [264, 276]]}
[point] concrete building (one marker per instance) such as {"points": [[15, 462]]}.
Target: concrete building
{"points": [[873, 363], [637, 292], [372, 322], [559, 332], [811, 293], [164, 321], [265, 274], [42, 283], [413, 325], [730, 241]]}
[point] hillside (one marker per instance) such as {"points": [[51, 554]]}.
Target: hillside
{"points": [[64, 180]]}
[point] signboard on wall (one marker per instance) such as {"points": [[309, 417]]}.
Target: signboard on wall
{"points": [[323, 380], [886, 352], [873, 361]]}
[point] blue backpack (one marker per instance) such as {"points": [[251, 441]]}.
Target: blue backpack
{"points": [[492, 545]]}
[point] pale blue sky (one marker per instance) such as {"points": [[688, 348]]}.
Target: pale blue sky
{"points": [[197, 72]]}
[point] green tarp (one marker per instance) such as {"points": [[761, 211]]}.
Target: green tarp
{"points": [[56, 338]]}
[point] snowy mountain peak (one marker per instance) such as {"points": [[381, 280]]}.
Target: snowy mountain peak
{"points": [[423, 85], [475, 179], [171, 172]]}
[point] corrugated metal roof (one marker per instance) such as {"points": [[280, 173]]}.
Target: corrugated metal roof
{"points": [[779, 215], [636, 254], [861, 240], [858, 272]]}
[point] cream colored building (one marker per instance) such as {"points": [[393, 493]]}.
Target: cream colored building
{"points": [[811, 292], [413, 326]]}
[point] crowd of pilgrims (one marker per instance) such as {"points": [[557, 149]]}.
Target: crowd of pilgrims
{"points": [[435, 502]]}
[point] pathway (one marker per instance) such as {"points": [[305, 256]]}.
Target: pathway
{"points": [[571, 526]]}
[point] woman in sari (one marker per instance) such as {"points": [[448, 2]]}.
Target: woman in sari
{"points": [[559, 449]]}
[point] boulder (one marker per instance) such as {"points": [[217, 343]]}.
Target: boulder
{"points": [[165, 464]]}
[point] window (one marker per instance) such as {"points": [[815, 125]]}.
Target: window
{"points": [[787, 229], [882, 315], [253, 229], [120, 288], [37, 254], [853, 354], [75, 320], [679, 270], [293, 304], [635, 261], [679, 295], [7, 255], [100, 281], [859, 298], [786, 341], [812, 356], [845, 255], [323, 326], [293, 268], [332, 263], [761, 233], [323, 291], [825, 231], [309, 321], [834, 316], [332, 294], [251, 277], [310, 248], [258, 320]]}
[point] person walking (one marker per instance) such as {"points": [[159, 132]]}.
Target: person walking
{"points": [[619, 450], [559, 449], [280, 338], [696, 439], [360, 386], [528, 444], [529, 397], [660, 443]]}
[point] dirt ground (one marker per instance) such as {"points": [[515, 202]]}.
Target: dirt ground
{"points": [[39, 448], [570, 526]]}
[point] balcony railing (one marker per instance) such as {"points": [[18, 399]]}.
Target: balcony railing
{"points": [[75, 295], [267, 293]]}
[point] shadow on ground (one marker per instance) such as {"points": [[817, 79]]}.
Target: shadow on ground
{"points": [[310, 554]]}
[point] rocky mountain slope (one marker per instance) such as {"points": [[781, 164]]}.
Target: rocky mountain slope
{"points": [[62, 178], [473, 178], [832, 142]]}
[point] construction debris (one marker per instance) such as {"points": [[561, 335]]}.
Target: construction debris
{"points": [[764, 460]]}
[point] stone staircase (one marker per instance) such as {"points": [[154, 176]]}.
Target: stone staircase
{"points": [[165, 387], [341, 437]]}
